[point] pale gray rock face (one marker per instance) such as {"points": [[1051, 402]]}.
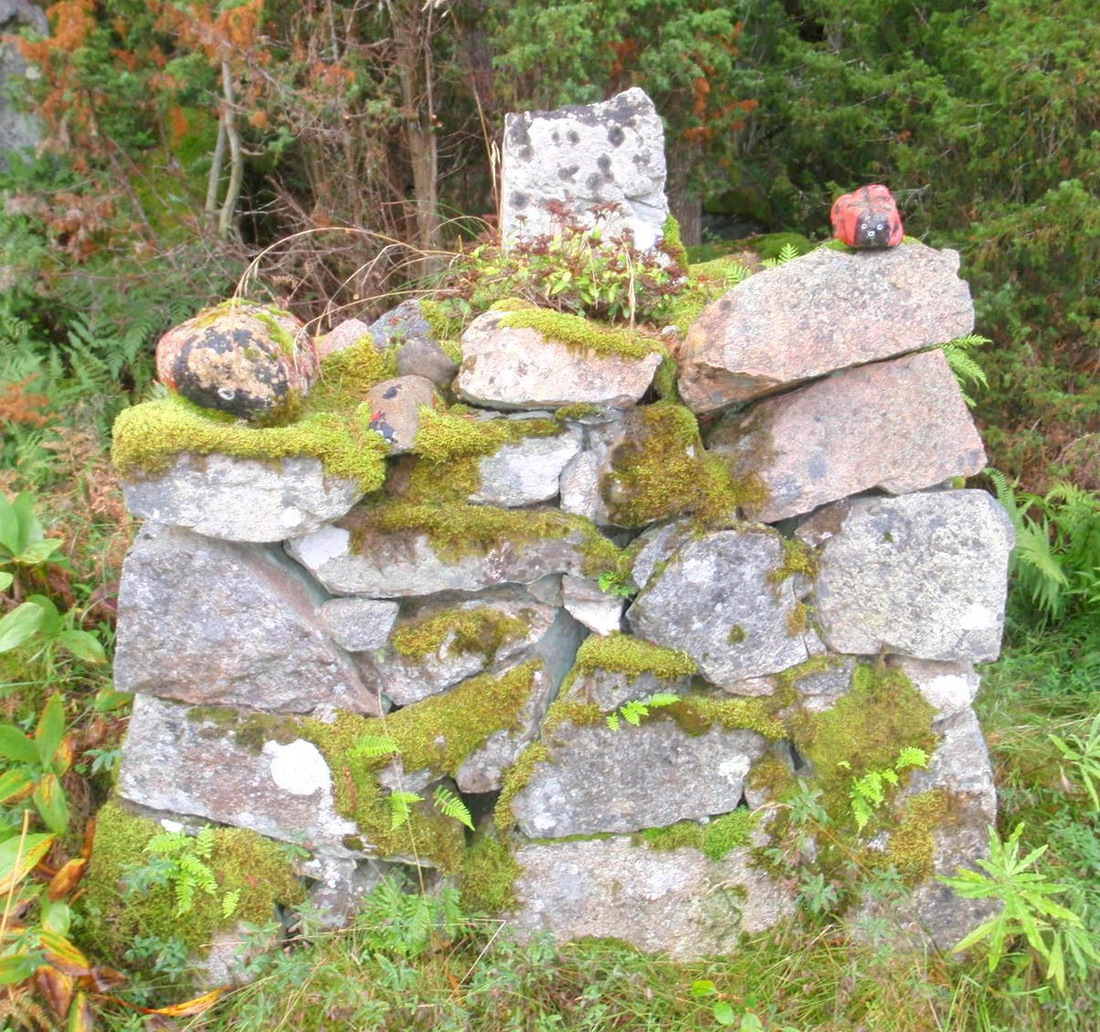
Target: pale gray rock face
{"points": [[410, 679], [418, 352], [526, 472], [398, 402], [578, 158], [215, 623], [676, 902], [402, 564], [177, 761], [19, 130], [654, 547], [359, 624], [242, 499], [717, 600], [598, 611], [518, 368], [923, 575], [598, 780], [825, 311], [900, 426], [340, 884], [948, 687], [342, 336]]}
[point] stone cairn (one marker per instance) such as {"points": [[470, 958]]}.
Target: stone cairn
{"points": [[609, 668]]}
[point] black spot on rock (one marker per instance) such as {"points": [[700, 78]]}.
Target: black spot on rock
{"points": [[594, 181], [603, 163], [572, 136], [391, 393], [519, 200], [615, 136], [568, 172]]}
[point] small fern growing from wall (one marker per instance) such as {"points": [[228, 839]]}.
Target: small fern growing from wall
{"points": [[636, 710], [868, 792], [182, 861], [967, 371]]}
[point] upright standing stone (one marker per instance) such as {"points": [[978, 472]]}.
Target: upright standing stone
{"points": [[564, 165]]}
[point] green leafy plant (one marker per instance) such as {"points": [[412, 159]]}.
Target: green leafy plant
{"points": [[446, 802], [1082, 753], [23, 541], [787, 253], [1053, 933], [613, 582], [868, 792], [636, 710], [967, 371], [1055, 566], [182, 861], [36, 764]]}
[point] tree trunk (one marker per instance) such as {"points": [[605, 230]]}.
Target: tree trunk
{"points": [[683, 198]]}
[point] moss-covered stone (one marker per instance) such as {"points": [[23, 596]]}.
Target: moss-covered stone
{"points": [[714, 839], [799, 559], [484, 630], [456, 433], [624, 654], [584, 335], [437, 734], [881, 713], [911, 846], [516, 779], [661, 470], [696, 714], [242, 861]]}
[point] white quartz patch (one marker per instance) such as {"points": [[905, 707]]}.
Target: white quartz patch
{"points": [[298, 768]]}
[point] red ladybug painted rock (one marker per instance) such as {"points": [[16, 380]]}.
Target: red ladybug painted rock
{"points": [[246, 359], [867, 218]]}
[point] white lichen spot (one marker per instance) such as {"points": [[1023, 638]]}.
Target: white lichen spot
{"points": [[734, 769], [977, 617], [291, 516], [298, 768]]}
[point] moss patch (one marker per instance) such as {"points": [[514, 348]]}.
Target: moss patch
{"points": [[624, 654], [580, 334], [242, 861], [697, 714], [484, 630], [715, 839], [661, 470], [911, 848], [436, 734], [881, 713], [456, 433], [798, 559], [516, 779], [489, 876]]}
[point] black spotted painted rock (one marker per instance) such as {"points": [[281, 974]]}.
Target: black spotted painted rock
{"points": [[250, 360]]}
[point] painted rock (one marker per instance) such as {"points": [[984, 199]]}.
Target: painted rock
{"points": [[249, 360], [867, 218]]}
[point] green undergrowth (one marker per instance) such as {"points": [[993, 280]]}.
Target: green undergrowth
{"points": [[120, 910], [333, 426]]}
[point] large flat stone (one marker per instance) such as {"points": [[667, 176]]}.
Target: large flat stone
{"points": [[719, 599], [923, 575], [597, 780], [242, 499], [178, 761], [676, 902], [217, 623], [526, 472], [825, 311], [899, 426], [516, 367], [609, 156]]}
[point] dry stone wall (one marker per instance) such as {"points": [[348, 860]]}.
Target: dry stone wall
{"points": [[624, 629]]}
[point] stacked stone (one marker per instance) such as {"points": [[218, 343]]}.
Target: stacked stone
{"points": [[261, 593]]}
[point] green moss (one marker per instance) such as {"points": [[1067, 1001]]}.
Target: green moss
{"points": [[697, 714], [443, 325], [484, 630], [661, 470], [516, 779], [736, 635], [911, 847], [489, 877], [579, 410], [773, 778], [798, 559], [707, 282], [444, 436], [881, 713], [582, 334], [248, 730], [714, 839], [242, 862], [664, 380], [672, 243], [624, 654], [149, 436], [798, 619], [436, 734], [347, 375], [576, 711]]}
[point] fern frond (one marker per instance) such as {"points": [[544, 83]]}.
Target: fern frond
{"points": [[369, 746], [911, 756], [401, 804], [230, 902], [451, 806]]}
